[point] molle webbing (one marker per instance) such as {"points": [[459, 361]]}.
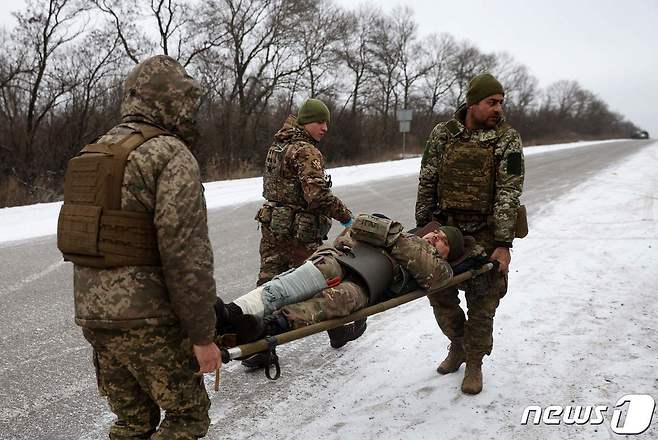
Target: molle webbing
{"points": [[467, 178], [92, 229], [277, 186]]}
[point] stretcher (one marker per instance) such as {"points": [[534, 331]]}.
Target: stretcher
{"points": [[269, 344]]}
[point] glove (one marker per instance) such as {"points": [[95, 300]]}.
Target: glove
{"points": [[347, 223]]}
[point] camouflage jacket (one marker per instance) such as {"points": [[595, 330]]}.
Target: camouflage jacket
{"points": [[414, 254], [161, 177], [509, 175], [304, 161]]}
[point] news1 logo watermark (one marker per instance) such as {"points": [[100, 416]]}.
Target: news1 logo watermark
{"points": [[631, 415]]}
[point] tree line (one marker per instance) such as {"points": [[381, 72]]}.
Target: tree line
{"points": [[63, 63]]}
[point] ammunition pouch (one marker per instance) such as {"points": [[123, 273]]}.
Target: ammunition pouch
{"points": [[281, 220], [521, 224], [292, 222], [375, 230], [310, 228], [264, 214]]}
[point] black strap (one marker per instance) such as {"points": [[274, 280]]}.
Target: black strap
{"points": [[272, 359]]}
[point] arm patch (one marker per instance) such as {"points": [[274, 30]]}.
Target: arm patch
{"points": [[514, 164]]}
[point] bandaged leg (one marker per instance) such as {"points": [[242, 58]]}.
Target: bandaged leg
{"points": [[290, 287], [333, 302]]}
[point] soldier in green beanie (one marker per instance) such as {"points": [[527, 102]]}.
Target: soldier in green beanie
{"points": [[300, 206], [471, 177]]}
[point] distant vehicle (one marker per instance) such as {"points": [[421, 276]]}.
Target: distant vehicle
{"points": [[640, 134]]}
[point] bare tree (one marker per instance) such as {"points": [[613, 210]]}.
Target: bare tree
{"points": [[353, 49], [319, 29], [562, 97], [467, 62], [521, 88], [124, 17], [439, 79], [44, 30], [414, 62], [384, 55], [99, 66]]}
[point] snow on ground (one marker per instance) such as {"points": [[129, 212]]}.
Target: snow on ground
{"points": [[577, 327], [23, 222]]}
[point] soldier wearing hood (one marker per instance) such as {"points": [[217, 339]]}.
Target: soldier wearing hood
{"points": [[134, 224], [471, 177]]}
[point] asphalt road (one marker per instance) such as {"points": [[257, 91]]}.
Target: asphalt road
{"points": [[47, 385]]}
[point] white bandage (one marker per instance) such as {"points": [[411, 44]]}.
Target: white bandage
{"points": [[292, 286], [252, 302]]}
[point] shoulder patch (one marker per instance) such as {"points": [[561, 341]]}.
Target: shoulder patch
{"points": [[453, 127], [514, 165]]}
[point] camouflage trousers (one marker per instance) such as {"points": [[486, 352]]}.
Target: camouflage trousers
{"points": [[483, 295], [278, 254], [332, 302], [145, 370]]}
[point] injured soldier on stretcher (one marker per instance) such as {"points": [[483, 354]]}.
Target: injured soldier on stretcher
{"points": [[370, 261]]}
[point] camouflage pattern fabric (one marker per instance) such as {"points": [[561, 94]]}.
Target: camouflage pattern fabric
{"points": [[277, 255], [161, 177], [421, 260], [137, 317], [303, 162], [144, 370], [413, 253], [332, 302], [509, 175], [482, 293]]}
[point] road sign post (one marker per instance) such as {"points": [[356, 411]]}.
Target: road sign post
{"points": [[404, 117]]}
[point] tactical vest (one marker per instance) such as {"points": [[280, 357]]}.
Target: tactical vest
{"points": [[468, 174], [277, 186], [92, 230]]}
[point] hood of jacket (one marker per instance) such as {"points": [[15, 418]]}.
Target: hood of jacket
{"points": [[158, 91]]}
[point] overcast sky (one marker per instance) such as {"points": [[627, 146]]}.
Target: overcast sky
{"points": [[608, 46]]}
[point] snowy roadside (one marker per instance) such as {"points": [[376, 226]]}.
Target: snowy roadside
{"points": [[31, 221], [577, 327]]}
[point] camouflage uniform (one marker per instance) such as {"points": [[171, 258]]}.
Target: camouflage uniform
{"points": [[415, 255], [142, 320], [491, 222], [298, 193]]}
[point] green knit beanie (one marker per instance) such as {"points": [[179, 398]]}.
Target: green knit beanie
{"points": [[482, 86], [313, 110], [455, 240]]}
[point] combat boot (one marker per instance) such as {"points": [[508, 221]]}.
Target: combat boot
{"points": [[340, 336], [273, 324], [230, 319], [472, 383], [456, 357]]}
